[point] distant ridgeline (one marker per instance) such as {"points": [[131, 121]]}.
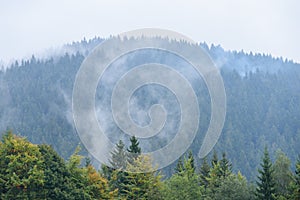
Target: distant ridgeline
{"points": [[263, 95]]}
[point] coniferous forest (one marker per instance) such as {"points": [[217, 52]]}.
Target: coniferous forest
{"points": [[30, 171], [256, 157]]}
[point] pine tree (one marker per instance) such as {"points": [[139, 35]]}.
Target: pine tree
{"points": [[265, 183]]}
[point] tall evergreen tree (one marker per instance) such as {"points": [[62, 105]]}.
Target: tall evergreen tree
{"points": [[119, 156], [134, 149], [192, 161], [226, 166], [204, 172], [183, 185], [116, 174], [142, 182], [182, 164], [265, 185], [134, 146], [214, 159], [57, 177], [179, 167]]}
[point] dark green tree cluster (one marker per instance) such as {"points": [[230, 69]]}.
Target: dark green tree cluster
{"points": [[131, 174], [29, 171], [217, 180], [276, 180]]}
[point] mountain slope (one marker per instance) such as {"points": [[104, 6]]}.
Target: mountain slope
{"points": [[263, 96]]}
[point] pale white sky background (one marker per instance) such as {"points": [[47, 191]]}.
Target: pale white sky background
{"points": [[267, 26]]}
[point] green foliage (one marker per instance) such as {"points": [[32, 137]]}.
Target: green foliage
{"points": [[214, 159], [266, 184], [192, 160], [142, 182], [184, 184], [283, 176], [57, 183], [134, 150], [214, 178], [29, 171], [234, 187], [21, 171], [186, 164], [118, 156], [179, 167], [226, 166], [296, 194], [262, 104], [204, 172], [116, 174]]}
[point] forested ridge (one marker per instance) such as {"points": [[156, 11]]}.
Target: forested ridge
{"points": [[263, 96]]}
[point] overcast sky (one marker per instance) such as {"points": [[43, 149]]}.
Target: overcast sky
{"points": [[267, 26]]}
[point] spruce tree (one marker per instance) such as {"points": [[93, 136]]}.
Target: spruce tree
{"points": [[134, 150], [214, 159], [204, 172], [142, 180], [57, 183], [116, 174], [265, 183], [226, 166], [192, 160], [179, 167], [119, 156]]}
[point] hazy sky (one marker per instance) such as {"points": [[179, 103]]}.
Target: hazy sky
{"points": [[268, 26]]}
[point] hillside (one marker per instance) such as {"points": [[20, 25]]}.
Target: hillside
{"points": [[263, 96]]}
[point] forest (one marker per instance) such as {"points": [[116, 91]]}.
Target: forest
{"points": [[30, 171], [256, 155]]}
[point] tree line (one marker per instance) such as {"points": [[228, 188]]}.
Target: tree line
{"points": [[30, 171]]}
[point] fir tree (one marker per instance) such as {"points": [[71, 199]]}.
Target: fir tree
{"points": [[226, 166], [179, 167], [134, 149], [214, 159], [116, 174], [204, 172], [265, 183], [119, 156], [192, 160]]}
